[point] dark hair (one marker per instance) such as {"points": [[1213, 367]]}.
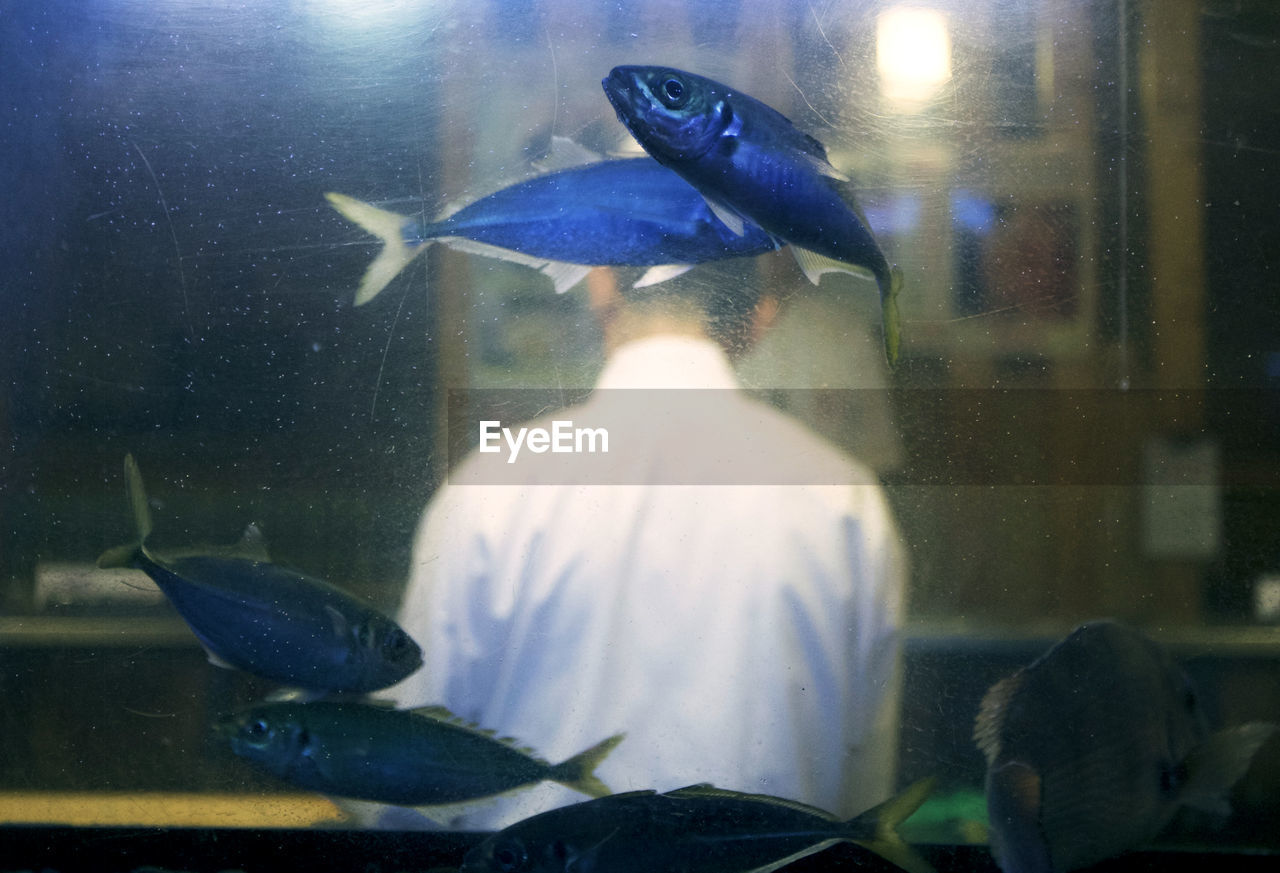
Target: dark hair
{"points": [[726, 292]]}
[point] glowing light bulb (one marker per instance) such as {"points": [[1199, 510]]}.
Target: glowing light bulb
{"points": [[913, 55]]}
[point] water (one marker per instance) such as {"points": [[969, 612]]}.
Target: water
{"points": [[1083, 424]]}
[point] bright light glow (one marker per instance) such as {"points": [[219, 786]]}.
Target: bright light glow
{"points": [[362, 14], [913, 55]]}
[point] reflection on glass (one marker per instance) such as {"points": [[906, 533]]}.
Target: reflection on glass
{"points": [[1083, 422], [913, 55]]}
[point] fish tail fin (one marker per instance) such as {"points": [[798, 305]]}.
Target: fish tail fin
{"points": [[578, 772], [1220, 762], [387, 226], [123, 556], [889, 315], [884, 819]]}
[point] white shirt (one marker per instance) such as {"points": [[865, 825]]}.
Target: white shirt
{"points": [[742, 634]]}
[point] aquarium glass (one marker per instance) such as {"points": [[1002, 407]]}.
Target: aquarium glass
{"points": [[1083, 421]]}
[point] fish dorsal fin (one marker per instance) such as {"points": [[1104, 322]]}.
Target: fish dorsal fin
{"points": [[253, 544], [704, 790], [989, 724], [565, 154], [441, 713], [137, 498], [630, 795], [815, 266], [661, 273], [731, 219]]}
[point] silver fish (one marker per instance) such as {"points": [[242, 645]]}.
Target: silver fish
{"points": [[418, 757], [699, 829]]}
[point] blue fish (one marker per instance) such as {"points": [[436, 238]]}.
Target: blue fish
{"points": [[754, 167], [624, 213], [419, 757], [698, 829], [271, 621]]}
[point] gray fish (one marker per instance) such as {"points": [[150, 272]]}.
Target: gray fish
{"points": [[419, 757], [1092, 748], [268, 620], [699, 829], [754, 166]]}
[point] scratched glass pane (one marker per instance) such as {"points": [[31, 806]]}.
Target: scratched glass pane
{"points": [[940, 535]]}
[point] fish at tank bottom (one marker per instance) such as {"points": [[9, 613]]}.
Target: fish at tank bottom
{"points": [[754, 166], [268, 620], [1093, 747], [698, 829], [417, 757]]}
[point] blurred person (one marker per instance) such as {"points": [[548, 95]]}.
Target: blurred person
{"points": [[737, 619]]}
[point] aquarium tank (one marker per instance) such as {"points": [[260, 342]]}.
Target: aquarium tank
{"points": [[698, 435]]}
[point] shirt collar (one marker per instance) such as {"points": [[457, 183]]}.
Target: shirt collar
{"points": [[668, 361]]}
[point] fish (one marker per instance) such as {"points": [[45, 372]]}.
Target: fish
{"points": [[420, 757], [697, 829], [269, 620], [1094, 746], [754, 166], [625, 212]]}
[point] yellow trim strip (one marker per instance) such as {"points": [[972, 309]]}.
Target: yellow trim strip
{"points": [[159, 809]]}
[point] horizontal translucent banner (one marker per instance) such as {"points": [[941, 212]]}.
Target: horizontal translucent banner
{"points": [[948, 437]]}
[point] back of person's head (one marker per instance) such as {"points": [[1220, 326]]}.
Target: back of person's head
{"points": [[718, 299]]}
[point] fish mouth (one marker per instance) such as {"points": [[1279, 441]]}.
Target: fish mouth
{"points": [[626, 95]]}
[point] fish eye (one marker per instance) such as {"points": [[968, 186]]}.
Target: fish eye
{"points": [[509, 856], [396, 642], [673, 92], [257, 729]]}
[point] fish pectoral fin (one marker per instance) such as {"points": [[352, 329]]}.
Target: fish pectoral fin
{"points": [[730, 219], [815, 266], [341, 626], [563, 275], [661, 273], [215, 659]]}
